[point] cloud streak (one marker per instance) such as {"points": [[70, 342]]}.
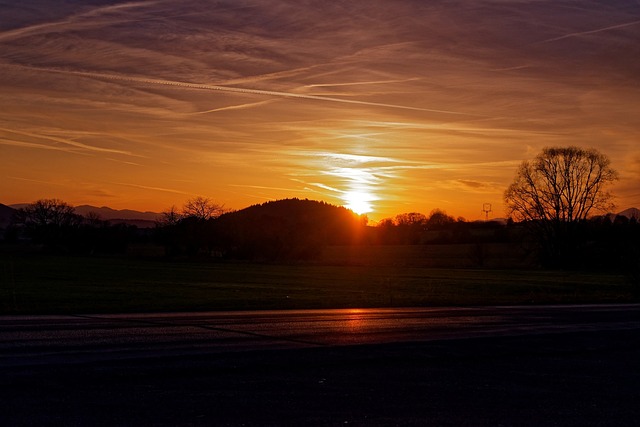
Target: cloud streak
{"points": [[80, 21], [271, 93]]}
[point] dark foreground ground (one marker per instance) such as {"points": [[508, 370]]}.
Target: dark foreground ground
{"points": [[585, 378]]}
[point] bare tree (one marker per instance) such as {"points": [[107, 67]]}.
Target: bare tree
{"points": [[561, 184], [48, 212], [202, 208], [48, 220], [556, 190], [170, 217]]}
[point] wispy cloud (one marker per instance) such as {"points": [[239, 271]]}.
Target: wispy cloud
{"points": [[15, 143], [38, 181], [78, 21]]}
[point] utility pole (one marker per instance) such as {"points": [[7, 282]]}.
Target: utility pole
{"points": [[486, 208]]}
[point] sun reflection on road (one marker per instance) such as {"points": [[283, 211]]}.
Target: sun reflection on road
{"points": [[355, 321]]}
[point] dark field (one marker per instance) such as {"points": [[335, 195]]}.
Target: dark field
{"points": [[582, 378], [38, 284]]}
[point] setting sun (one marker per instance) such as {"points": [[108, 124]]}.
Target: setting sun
{"points": [[359, 202]]}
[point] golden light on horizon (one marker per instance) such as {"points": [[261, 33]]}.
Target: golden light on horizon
{"points": [[428, 105], [359, 201], [355, 178]]}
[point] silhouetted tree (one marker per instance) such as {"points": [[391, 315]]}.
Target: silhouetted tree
{"points": [[48, 221], [191, 231], [102, 237], [440, 227], [46, 212], [170, 217], [439, 219], [202, 208], [414, 228], [410, 219], [410, 226], [387, 234], [93, 219], [557, 190], [167, 231]]}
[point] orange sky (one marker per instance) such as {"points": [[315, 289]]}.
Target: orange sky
{"points": [[404, 105]]}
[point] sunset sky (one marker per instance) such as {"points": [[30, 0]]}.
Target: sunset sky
{"points": [[389, 106]]}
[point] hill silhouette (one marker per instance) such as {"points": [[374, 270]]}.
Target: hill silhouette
{"points": [[287, 229]]}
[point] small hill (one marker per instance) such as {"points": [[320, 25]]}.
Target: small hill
{"points": [[296, 208], [288, 229]]}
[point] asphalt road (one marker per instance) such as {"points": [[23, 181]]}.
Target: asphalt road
{"points": [[488, 366]]}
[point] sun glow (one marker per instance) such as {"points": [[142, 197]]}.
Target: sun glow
{"points": [[358, 201]]}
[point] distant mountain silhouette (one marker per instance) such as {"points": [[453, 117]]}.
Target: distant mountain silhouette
{"points": [[630, 213], [6, 213], [107, 213]]}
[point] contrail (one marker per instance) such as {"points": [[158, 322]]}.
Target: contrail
{"points": [[373, 82], [145, 187], [598, 30], [64, 141], [200, 86], [233, 107]]}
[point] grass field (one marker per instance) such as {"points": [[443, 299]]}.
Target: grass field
{"points": [[64, 285]]}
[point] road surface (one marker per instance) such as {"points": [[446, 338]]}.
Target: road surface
{"points": [[534, 365]]}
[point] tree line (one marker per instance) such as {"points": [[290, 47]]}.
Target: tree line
{"points": [[551, 205], [289, 229], [53, 226]]}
